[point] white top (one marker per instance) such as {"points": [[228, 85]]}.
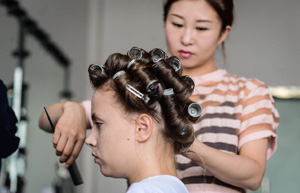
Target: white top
{"points": [[158, 184]]}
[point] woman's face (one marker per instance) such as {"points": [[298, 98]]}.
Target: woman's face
{"points": [[192, 31], [112, 135]]}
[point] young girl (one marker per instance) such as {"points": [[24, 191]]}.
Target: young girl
{"points": [[140, 113]]}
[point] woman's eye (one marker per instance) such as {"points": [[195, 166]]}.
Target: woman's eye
{"points": [[177, 25], [201, 28]]}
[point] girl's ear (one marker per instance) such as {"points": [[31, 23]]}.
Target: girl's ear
{"points": [[144, 127], [224, 35]]}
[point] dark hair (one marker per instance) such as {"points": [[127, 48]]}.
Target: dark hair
{"points": [[151, 83]]}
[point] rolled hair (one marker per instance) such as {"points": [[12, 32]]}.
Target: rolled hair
{"points": [[141, 83]]}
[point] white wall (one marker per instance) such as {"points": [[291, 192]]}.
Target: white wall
{"points": [[264, 43]]}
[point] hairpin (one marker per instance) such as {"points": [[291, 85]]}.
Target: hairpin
{"points": [[168, 92], [137, 93]]}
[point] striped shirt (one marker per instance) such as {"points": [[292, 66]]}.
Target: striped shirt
{"points": [[235, 110]]}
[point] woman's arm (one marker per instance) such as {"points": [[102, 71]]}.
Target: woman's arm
{"points": [[70, 122], [245, 170]]}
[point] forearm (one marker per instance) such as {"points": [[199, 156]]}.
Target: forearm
{"points": [[245, 170], [55, 111]]}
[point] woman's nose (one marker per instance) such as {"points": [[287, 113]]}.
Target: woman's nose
{"points": [[187, 37]]}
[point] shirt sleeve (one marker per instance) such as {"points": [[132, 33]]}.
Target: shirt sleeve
{"points": [[259, 117], [88, 110]]}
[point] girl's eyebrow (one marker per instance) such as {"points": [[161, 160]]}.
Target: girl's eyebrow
{"points": [[95, 117], [199, 20]]}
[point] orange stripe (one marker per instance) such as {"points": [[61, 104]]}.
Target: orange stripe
{"points": [[256, 128], [260, 111]]}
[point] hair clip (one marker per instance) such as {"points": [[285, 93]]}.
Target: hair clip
{"points": [[118, 74], [137, 93], [168, 92]]}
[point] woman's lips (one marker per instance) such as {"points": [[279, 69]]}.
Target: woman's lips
{"points": [[185, 54]]}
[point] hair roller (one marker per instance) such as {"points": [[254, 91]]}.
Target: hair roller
{"points": [[186, 135], [175, 63], [154, 90], [157, 55], [193, 110], [96, 74], [135, 53], [190, 81]]}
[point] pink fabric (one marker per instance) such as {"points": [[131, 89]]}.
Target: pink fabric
{"points": [[236, 110]]}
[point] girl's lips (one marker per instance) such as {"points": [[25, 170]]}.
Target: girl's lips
{"points": [[185, 54], [95, 158]]}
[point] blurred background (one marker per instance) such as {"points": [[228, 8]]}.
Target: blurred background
{"points": [[264, 44]]}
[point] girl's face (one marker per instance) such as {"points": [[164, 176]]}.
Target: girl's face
{"points": [[112, 135], [192, 31]]}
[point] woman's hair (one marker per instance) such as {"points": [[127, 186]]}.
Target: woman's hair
{"points": [[152, 83]]}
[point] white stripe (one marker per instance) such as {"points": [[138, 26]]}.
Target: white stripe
{"points": [[260, 119], [220, 122], [223, 109], [221, 98], [258, 105]]}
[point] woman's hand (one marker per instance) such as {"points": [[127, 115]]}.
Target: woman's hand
{"points": [[70, 129], [245, 170]]}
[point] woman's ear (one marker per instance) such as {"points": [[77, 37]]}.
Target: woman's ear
{"points": [[144, 127], [224, 35]]}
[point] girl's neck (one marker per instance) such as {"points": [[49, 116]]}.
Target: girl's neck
{"points": [[155, 165]]}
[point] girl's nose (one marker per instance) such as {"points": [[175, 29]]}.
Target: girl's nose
{"points": [[91, 140]]}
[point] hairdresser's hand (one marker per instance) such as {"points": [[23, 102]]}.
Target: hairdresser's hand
{"points": [[70, 132]]}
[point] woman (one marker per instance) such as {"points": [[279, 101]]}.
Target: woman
{"points": [[238, 128], [239, 118], [131, 136]]}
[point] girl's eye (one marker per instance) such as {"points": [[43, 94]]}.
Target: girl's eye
{"points": [[177, 25], [98, 124], [201, 28]]}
